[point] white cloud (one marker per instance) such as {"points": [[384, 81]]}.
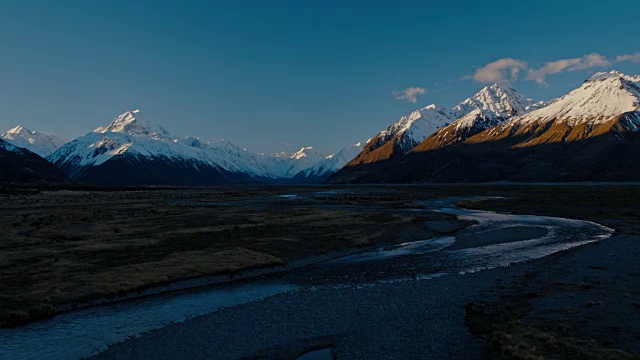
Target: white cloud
{"points": [[630, 57], [410, 94], [499, 70], [559, 66]]}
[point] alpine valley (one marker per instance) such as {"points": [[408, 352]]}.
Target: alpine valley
{"points": [[590, 134]]}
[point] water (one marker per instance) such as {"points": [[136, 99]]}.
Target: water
{"points": [[484, 247], [324, 354], [84, 332]]}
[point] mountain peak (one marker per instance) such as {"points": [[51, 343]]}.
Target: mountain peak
{"points": [[502, 86], [419, 124], [42, 144], [18, 130], [499, 99], [303, 152], [133, 122]]}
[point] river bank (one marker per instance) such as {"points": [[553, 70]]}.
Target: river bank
{"points": [[419, 317], [567, 300]]}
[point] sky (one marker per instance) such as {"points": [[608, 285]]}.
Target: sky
{"points": [[279, 75]]}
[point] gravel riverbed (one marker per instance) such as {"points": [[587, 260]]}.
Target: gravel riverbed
{"points": [[422, 319]]}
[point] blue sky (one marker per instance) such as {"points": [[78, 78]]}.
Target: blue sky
{"points": [[275, 75]]}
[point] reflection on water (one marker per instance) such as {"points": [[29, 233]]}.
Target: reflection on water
{"points": [[420, 247], [83, 332], [288, 196], [324, 354]]}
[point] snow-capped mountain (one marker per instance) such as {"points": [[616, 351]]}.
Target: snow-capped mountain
{"points": [[590, 134], [489, 107], [326, 167], [412, 129], [20, 164], [233, 158], [404, 134], [133, 150], [497, 100], [606, 102], [285, 166], [39, 143]]}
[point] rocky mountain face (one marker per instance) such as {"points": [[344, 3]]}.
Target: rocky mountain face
{"points": [[19, 164], [590, 134], [489, 107]]}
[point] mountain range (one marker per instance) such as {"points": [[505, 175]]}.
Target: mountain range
{"points": [[590, 134], [132, 150], [489, 107]]}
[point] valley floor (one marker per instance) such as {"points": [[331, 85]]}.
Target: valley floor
{"points": [[70, 246], [63, 249]]}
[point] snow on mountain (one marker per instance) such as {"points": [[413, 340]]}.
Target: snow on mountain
{"points": [[285, 166], [5, 145], [412, 129], [329, 165], [131, 135], [236, 159], [538, 105], [134, 123], [434, 127], [590, 134], [491, 105], [35, 141], [486, 108], [605, 101], [498, 100], [603, 96]]}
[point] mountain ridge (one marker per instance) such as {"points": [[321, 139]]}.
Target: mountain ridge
{"points": [[40, 143], [590, 134], [132, 140], [20, 164], [490, 105]]}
